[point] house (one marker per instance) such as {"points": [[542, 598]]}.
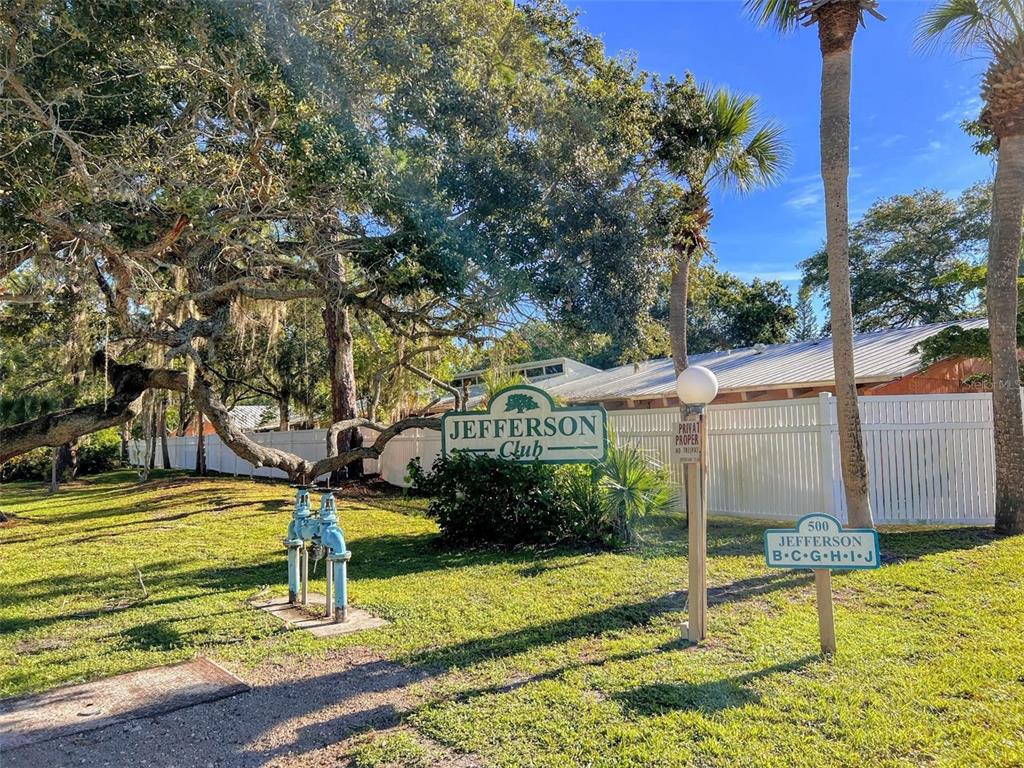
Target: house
{"points": [[884, 361], [545, 374], [254, 418]]}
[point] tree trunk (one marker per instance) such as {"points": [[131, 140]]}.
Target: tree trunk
{"points": [[125, 448], [151, 445], [162, 428], [284, 416], [200, 445], [341, 363], [67, 461], [184, 417], [836, 27], [1004, 250], [679, 292], [55, 470]]}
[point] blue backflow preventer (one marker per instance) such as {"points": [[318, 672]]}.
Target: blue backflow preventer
{"points": [[320, 532]]}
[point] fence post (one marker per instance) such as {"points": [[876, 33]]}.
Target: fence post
{"points": [[828, 479]]}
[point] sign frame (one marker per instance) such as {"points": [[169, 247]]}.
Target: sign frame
{"points": [[552, 408], [824, 566]]}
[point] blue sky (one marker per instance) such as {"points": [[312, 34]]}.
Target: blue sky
{"points": [[906, 112]]}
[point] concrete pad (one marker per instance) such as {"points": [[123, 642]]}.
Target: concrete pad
{"points": [[302, 617], [78, 708]]}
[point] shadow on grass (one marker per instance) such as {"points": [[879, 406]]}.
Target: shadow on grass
{"points": [[167, 583], [139, 526], [899, 546], [596, 623], [320, 710], [159, 635], [707, 697]]}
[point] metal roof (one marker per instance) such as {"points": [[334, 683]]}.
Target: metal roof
{"points": [[567, 362], [878, 356], [572, 371], [251, 417]]}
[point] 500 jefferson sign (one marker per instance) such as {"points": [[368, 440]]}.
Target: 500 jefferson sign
{"points": [[819, 541], [523, 424]]}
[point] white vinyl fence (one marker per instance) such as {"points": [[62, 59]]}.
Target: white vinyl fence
{"points": [[930, 457]]}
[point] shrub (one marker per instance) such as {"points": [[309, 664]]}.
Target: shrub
{"points": [[480, 500], [34, 465], [99, 452]]}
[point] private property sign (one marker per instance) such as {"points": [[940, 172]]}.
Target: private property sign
{"points": [[819, 542], [686, 445], [523, 424]]}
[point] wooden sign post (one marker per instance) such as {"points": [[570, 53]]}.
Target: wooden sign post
{"points": [[690, 448], [826, 620], [696, 387], [821, 544]]}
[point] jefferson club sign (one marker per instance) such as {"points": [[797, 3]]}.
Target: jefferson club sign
{"points": [[524, 424]]}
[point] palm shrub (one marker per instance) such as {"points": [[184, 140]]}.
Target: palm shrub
{"points": [[631, 486]]}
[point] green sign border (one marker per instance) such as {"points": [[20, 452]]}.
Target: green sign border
{"points": [[554, 409], [838, 522]]}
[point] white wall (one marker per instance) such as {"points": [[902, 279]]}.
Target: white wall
{"points": [[930, 457]]}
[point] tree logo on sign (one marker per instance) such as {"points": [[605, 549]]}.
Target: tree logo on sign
{"points": [[520, 403]]}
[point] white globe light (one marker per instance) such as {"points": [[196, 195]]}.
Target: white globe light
{"points": [[696, 386]]}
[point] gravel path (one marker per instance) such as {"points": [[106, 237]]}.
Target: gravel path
{"points": [[307, 715]]}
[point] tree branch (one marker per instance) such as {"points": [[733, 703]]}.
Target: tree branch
{"points": [[131, 381], [335, 460]]}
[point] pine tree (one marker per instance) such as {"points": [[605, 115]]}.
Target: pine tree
{"points": [[807, 326]]}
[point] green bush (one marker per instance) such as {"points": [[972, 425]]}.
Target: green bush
{"points": [[480, 500], [34, 465], [99, 452]]}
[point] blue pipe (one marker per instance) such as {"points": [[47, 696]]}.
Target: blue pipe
{"points": [[333, 538], [298, 533], [293, 569], [340, 565]]}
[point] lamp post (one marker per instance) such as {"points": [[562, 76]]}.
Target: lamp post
{"points": [[696, 387]]}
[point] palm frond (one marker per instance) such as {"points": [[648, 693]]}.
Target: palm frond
{"points": [[768, 156], [996, 26], [750, 153], [782, 15], [732, 114], [498, 378], [962, 22], [632, 486]]}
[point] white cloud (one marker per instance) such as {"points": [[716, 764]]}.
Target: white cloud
{"points": [[785, 275], [966, 108], [808, 196], [890, 141]]}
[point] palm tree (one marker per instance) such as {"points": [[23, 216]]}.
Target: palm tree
{"points": [[837, 22], [996, 29], [708, 137]]}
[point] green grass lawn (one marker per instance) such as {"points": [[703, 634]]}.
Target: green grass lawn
{"points": [[541, 659]]}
